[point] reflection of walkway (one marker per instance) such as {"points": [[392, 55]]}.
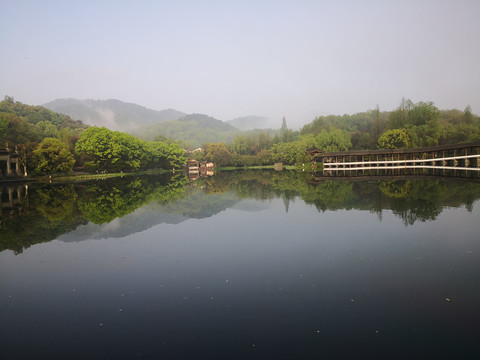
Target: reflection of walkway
{"points": [[461, 160]]}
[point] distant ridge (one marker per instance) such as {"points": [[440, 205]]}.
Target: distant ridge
{"points": [[113, 114], [250, 122], [194, 129]]}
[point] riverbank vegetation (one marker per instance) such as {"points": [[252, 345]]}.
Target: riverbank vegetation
{"points": [[410, 125], [49, 142]]}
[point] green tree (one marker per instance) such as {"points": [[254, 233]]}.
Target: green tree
{"points": [[286, 135], [218, 154], [394, 139], [468, 116], [399, 118], [53, 156], [47, 129], [333, 140], [103, 149], [240, 145], [424, 125], [285, 153], [165, 156]]}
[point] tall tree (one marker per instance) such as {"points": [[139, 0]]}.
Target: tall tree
{"points": [[286, 135]]}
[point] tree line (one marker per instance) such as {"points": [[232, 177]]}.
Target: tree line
{"points": [[49, 143], [410, 125]]}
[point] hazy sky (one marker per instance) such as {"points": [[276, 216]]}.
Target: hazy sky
{"points": [[227, 59]]}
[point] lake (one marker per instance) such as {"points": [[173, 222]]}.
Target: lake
{"points": [[241, 265]]}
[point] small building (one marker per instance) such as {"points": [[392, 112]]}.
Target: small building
{"points": [[10, 162]]}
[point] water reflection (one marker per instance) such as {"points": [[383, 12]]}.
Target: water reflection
{"points": [[39, 213], [246, 265]]}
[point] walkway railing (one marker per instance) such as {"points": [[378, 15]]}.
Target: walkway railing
{"points": [[460, 157]]}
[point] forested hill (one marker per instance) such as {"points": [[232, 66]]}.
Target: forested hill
{"points": [[194, 129], [22, 124], [113, 114]]}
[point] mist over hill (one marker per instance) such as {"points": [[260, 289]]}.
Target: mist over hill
{"points": [[113, 114], [194, 129], [252, 122]]}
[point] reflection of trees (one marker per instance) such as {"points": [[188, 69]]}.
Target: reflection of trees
{"points": [[48, 212], [56, 204], [424, 202], [52, 210], [395, 188], [329, 195], [105, 201], [411, 200]]}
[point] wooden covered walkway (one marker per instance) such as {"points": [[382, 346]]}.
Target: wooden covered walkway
{"points": [[456, 158]]}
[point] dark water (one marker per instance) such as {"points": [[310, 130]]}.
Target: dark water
{"points": [[241, 266]]}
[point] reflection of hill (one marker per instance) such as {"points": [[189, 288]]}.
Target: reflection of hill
{"points": [[195, 204], [48, 211]]}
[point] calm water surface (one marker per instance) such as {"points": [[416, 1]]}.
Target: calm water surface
{"points": [[241, 266]]}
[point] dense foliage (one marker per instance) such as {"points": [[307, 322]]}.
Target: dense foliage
{"points": [[21, 124], [104, 150], [54, 143], [410, 125], [53, 156], [100, 149]]}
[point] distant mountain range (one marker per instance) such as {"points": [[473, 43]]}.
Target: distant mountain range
{"points": [[194, 129]]}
